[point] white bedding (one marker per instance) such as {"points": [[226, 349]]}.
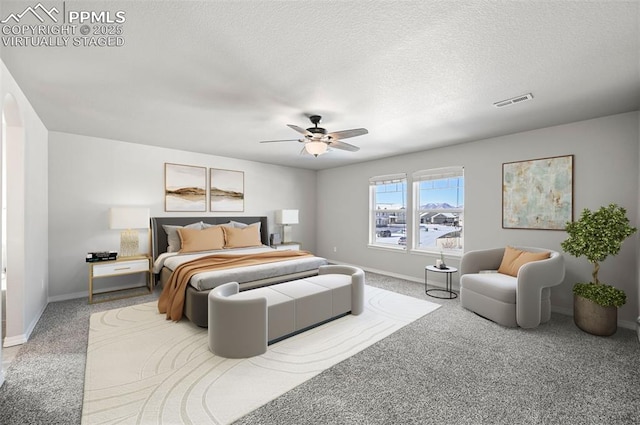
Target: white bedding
{"points": [[208, 280], [171, 260]]}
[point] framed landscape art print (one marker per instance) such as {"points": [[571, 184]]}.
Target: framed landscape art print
{"points": [[185, 188], [226, 190], [538, 193]]}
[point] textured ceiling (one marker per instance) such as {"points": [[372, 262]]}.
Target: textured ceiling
{"points": [[217, 77]]}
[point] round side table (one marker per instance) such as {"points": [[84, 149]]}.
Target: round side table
{"points": [[449, 271]]}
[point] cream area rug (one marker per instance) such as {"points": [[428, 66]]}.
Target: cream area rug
{"points": [[144, 369]]}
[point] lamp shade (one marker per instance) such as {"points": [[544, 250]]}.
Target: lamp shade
{"points": [[128, 218], [287, 217]]}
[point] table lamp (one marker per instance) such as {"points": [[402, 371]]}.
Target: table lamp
{"points": [[129, 219], [286, 218]]}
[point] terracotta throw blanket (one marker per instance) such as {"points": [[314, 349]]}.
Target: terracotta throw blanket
{"points": [[171, 300]]}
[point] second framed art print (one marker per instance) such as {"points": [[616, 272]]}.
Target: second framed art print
{"points": [[226, 190]]}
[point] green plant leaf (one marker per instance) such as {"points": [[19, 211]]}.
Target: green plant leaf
{"points": [[605, 295], [598, 234]]}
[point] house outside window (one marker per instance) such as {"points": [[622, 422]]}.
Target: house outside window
{"points": [[388, 211], [439, 209]]}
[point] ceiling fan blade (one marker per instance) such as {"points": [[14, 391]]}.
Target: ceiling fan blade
{"points": [[344, 146], [286, 140], [300, 130], [345, 134]]}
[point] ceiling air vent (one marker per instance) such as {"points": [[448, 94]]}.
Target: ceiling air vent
{"points": [[513, 100]]}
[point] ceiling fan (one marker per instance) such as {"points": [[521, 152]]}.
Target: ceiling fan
{"points": [[317, 140]]}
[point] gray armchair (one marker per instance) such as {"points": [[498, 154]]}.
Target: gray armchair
{"points": [[524, 300]]}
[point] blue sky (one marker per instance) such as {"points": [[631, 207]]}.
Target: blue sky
{"points": [[395, 194]]}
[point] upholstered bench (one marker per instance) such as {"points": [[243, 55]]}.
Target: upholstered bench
{"points": [[242, 324]]}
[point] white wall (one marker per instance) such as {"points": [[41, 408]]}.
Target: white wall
{"points": [[606, 152], [27, 251], [89, 175]]}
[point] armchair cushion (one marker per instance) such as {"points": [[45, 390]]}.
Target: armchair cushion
{"points": [[497, 286], [514, 258]]}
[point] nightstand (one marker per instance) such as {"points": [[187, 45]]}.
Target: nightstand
{"points": [[120, 267], [288, 246]]}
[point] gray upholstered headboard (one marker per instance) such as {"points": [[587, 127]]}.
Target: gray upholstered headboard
{"points": [[159, 241]]}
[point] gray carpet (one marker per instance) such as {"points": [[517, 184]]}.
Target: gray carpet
{"points": [[453, 367], [449, 367], [45, 382]]}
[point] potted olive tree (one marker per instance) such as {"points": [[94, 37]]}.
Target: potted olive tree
{"points": [[596, 235]]}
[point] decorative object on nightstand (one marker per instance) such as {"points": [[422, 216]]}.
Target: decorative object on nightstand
{"points": [[129, 219], [286, 218], [274, 239], [93, 257]]}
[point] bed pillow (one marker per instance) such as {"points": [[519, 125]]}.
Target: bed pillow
{"points": [[173, 238], [207, 225], [194, 240], [239, 225], [241, 238], [514, 258]]}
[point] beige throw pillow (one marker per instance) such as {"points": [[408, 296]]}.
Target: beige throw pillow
{"points": [[173, 238], [201, 240], [241, 238], [514, 258]]}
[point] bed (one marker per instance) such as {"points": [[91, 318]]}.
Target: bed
{"points": [[251, 276]]}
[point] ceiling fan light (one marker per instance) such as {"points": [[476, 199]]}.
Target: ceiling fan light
{"points": [[316, 148]]}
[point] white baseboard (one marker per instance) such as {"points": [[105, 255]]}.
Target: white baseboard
{"points": [[85, 294], [569, 312], [66, 297], [627, 325], [36, 319], [10, 341], [382, 272], [396, 275], [561, 310]]}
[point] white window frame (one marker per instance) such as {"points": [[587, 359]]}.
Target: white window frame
{"points": [[374, 210], [436, 174]]}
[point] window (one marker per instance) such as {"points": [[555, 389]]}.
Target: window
{"points": [[439, 209], [388, 211]]}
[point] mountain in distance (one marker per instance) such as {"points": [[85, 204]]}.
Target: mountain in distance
{"points": [[437, 206]]}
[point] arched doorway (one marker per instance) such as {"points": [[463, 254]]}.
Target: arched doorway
{"points": [[12, 235]]}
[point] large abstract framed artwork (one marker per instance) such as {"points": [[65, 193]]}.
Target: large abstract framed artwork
{"points": [[226, 190], [185, 188], [538, 193]]}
